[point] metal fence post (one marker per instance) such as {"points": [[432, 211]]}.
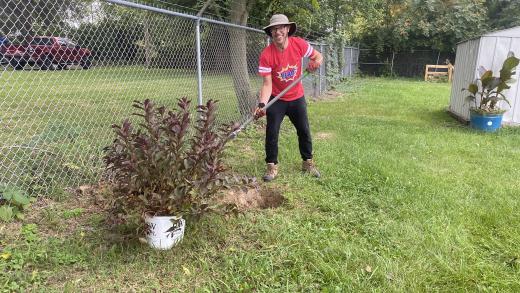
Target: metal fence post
{"points": [[322, 71], [343, 68], [350, 73], [199, 64]]}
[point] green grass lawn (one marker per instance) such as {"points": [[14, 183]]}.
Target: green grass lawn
{"points": [[410, 200], [65, 116]]}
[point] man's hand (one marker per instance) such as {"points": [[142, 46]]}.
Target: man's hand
{"points": [[313, 65], [315, 61], [259, 111]]}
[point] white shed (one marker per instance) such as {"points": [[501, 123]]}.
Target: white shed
{"points": [[489, 50]]}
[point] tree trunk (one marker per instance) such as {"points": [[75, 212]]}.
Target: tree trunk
{"points": [[238, 56], [203, 9]]}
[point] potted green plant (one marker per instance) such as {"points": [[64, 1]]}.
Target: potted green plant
{"points": [[164, 170], [486, 93]]}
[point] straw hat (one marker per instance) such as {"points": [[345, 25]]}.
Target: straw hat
{"points": [[279, 19]]}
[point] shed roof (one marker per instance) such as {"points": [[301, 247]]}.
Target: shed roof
{"points": [[513, 32]]}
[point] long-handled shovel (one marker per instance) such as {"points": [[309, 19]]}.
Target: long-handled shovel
{"points": [[234, 134]]}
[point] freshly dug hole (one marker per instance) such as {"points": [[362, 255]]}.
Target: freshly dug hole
{"points": [[254, 198]]}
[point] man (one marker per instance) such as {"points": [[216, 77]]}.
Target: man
{"points": [[280, 64]]}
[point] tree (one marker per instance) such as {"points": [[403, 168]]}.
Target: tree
{"points": [[503, 14], [27, 18], [403, 25], [237, 40], [17, 17], [441, 24]]}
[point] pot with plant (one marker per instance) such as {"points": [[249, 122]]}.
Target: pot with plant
{"points": [[486, 93], [164, 171]]}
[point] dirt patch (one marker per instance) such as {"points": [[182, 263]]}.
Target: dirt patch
{"points": [[247, 149], [328, 95], [324, 135], [86, 208], [61, 218], [255, 198]]}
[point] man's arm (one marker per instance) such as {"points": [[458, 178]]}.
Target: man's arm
{"points": [[315, 61], [266, 90], [265, 93]]}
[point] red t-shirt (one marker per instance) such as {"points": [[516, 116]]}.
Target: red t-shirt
{"points": [[285, 66]]}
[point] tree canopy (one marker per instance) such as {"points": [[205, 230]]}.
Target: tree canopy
{"points": [[398, 25]]}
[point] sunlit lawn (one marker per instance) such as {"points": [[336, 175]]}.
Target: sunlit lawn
{"points": [[66, 116], [410, 200]]}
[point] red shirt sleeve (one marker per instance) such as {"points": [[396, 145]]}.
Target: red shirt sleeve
{"points": [[264, 66], [304, 47]]}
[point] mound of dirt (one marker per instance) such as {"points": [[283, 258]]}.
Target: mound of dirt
{"points": [[255, 198]]}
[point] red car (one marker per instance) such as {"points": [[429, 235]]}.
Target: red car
{"points": [[56, 53], [11, 54]]}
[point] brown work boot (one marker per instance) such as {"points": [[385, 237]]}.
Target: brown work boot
{"points": [[309, 167], [271, 172]]}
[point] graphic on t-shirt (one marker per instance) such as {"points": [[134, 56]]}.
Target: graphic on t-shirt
{"points": [[288, 73]]}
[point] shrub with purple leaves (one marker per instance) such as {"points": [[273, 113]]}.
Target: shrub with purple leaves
{"points": [[162, 167]]}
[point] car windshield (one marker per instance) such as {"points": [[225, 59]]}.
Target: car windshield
{"points": [[41, 41], [66, 42]]}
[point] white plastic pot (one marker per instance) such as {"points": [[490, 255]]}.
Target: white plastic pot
{"points": [[164, 232]]}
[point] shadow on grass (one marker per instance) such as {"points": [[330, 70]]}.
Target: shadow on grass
{"points": [[124, 244], [425, 120], [443, 119]]}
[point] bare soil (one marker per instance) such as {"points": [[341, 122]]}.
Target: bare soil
{"points": [[328, 95], [324, 135], [254, 198], [88, 201]]}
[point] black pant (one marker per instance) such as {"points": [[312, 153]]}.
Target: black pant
{"points": [[297, 112]]}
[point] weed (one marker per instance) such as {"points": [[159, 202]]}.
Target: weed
{"points": [[74, 213], [17, 271], [13, 203]]}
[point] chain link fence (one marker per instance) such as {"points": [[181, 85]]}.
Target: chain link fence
{"points": [[405, 64], [71, 68]]}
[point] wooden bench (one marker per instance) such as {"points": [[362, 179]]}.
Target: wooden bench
{"points": [[432, 71]]}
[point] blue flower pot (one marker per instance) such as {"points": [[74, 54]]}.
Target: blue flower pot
{"points": [[485, 122]]}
